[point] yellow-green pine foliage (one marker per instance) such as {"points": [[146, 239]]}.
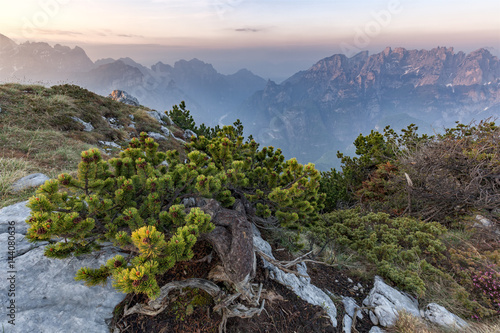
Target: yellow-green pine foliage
{"points": [[285, 190], [134, 201]]}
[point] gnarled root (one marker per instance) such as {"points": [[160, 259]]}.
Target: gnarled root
{"points": [[224, 303], [232, 239]]}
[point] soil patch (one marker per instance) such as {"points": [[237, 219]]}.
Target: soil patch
{"points": [[191, 310]]}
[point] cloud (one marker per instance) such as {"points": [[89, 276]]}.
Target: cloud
{"points": [[57, 32], [129, 36], [110, 33], [247, 30]]}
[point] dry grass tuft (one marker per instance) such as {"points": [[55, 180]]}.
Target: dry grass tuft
{"points": [[11, 169], [407, 323]]}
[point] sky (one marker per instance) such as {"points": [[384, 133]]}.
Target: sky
{"points": [[272, 38]]}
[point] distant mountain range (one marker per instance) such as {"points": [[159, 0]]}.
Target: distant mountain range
{"points": [[208, 94], [310, 115], [321, 110]]}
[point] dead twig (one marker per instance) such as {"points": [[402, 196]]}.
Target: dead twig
{"points": [[224, 302], [278, 264]]}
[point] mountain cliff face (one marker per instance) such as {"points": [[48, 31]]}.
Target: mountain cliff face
{"points": [[40, 61], [338, 97], [208, 94]]}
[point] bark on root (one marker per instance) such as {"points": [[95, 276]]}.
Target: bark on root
{"points": [[232, 239], [225, 304]]}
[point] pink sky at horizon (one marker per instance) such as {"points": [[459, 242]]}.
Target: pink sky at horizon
{"points": [[233, 33]]}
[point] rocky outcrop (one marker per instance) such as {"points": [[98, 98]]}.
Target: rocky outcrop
{"points": [[161, 117], [33, 180], [123, 97], [300, 285], [350, 307], [87, 127], [437, 314], [47, 299], [386, 303], [188, 134]]}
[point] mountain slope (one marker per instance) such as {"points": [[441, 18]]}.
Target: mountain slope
{"points": [[338, 97], [40, 61], [209, 94]]}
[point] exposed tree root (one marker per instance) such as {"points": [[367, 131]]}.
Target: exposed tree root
{"points": [[232, 239], [224, 303]]}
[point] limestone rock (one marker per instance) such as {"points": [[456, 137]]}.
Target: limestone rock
{"points": [[483, 222], [387, 302], [47, 297], [376, 329], [180, 140], [22, 245], [124, 97], [347, 324], [16, 213], [350, 306], [87, 126], [165, 131], [161, 117], [49, 300], [157, 136], [33, 180], [301, 286], [110, 144], [437, 314], [188, 134]]}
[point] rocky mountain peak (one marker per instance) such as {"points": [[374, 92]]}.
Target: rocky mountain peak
{"points": [[440, 66], [6, 44], [194, 65], [339, 97], [40, 61], [124, 97], [160, 67]]}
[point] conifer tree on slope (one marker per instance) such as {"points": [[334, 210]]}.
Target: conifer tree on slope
{"points": [[135, 201]]}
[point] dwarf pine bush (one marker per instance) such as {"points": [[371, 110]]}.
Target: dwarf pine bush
{"points": [[403, 249], [134, 201]]}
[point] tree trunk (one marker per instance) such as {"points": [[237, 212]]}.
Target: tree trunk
{"points": [[232, 239]]}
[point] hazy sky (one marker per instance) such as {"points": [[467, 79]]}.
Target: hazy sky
{"points": [[273, 38]]}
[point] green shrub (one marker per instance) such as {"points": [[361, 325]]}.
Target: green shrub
{"points": [[134, 201], [403, 249], [375, 149]]}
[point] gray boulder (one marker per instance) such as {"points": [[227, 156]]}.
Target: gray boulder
{"points": [[87, 126], [110, 144], [350, 307], [188, 134], [166, 131], [483, 221], [387, 302], [347, 324], [33, 180], [161, 117], [46, 296], [180, 140], [376, 329], [124, 97], [157, 136], [16, 213], [437, 314]]}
